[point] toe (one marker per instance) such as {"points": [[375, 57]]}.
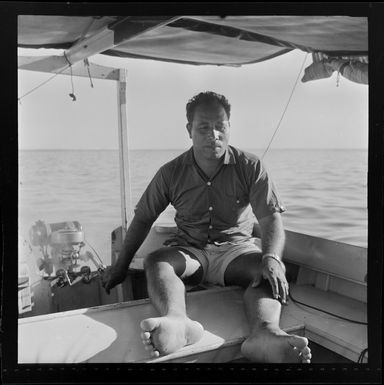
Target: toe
{"points": [[306, 355], [306, 351], [155, 354], [298, 342], [149, 348], [145, 336], [149, 324]]}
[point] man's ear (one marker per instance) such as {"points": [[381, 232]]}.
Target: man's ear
{"points": [[189, 129]]}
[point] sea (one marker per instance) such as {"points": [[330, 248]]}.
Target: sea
{"points": [[324, 191]]}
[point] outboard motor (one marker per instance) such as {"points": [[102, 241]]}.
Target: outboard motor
{"points": [[62, 259]]}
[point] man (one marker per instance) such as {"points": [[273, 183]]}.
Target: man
{"points": [[217, 190]]}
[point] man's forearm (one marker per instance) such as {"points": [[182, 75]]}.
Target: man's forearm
{"points": [[272, 234], [135, 236]]}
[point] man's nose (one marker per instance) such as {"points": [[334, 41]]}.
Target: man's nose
{"points": [[213, 133]]}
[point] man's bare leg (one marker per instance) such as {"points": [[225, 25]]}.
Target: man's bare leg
{"points": [[173, 329], [266, 342]]}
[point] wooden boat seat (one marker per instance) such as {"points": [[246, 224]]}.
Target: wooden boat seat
{"points": [[322, 262], [111, 333]]}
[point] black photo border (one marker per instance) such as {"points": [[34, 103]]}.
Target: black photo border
{"points": [[11, 372]]}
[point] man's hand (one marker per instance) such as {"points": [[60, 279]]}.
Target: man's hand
{"points": [[274, 272], [112, 276]]}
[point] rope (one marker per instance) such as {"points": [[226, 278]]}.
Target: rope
{"points": [[360, 360], [72, 94], [327, 312], [286, 107], [86, 62]]}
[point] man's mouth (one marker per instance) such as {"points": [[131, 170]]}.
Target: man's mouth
{"points": [[214, 145]]}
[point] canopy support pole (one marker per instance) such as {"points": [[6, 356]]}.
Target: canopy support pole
{"points": [[125, 186]]}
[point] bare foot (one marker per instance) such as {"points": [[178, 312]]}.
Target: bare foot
{"points": [[165, 335], [276, 346]]}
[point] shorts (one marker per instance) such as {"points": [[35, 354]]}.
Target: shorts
{"points": [[215, 258]]}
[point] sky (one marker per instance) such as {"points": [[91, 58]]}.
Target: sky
{"points": [[320, 114]]}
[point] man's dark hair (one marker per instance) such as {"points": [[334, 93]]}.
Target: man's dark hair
{"points": [[207, 97]]}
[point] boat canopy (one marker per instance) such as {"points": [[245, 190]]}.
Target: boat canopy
{"points": [[198, 40]]}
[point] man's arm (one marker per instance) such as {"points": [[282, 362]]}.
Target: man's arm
{"points": [[135, 236], [272, 234], [151, 204], [273, 240]]}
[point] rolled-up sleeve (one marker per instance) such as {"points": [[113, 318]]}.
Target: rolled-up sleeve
{"points": [[155, 198], [264, 197]]}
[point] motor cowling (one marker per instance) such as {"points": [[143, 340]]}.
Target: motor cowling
{"points": [[42, 234]]}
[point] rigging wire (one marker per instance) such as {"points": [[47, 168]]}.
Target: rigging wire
{"points": [[98, 256], [43, 83], [69, 65], [327, 312], [88, 27], [86, 30], [286, 106]]}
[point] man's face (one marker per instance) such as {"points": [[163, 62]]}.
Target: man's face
{"points": [[209, 131]]}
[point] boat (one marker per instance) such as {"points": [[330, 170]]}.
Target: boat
{"points": [[328, 279]]}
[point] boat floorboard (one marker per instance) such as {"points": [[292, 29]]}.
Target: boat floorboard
{"points": [[111, 333]]}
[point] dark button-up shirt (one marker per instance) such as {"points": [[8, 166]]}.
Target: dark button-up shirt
{"points": [[211, 210]]}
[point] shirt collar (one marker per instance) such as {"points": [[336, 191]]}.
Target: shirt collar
{"points": [[229, 157]]}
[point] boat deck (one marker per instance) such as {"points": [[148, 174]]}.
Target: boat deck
{"points": [[111, 333]]}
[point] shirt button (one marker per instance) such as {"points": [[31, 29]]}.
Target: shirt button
{"points": [[237, 201], [210, 208], [209, 183], [210, 227]]}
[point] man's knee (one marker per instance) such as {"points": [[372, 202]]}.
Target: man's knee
{"points": [[164, 257], [154, 258]]}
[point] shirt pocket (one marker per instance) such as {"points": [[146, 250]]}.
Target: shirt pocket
{"points": [[237, 200]]}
